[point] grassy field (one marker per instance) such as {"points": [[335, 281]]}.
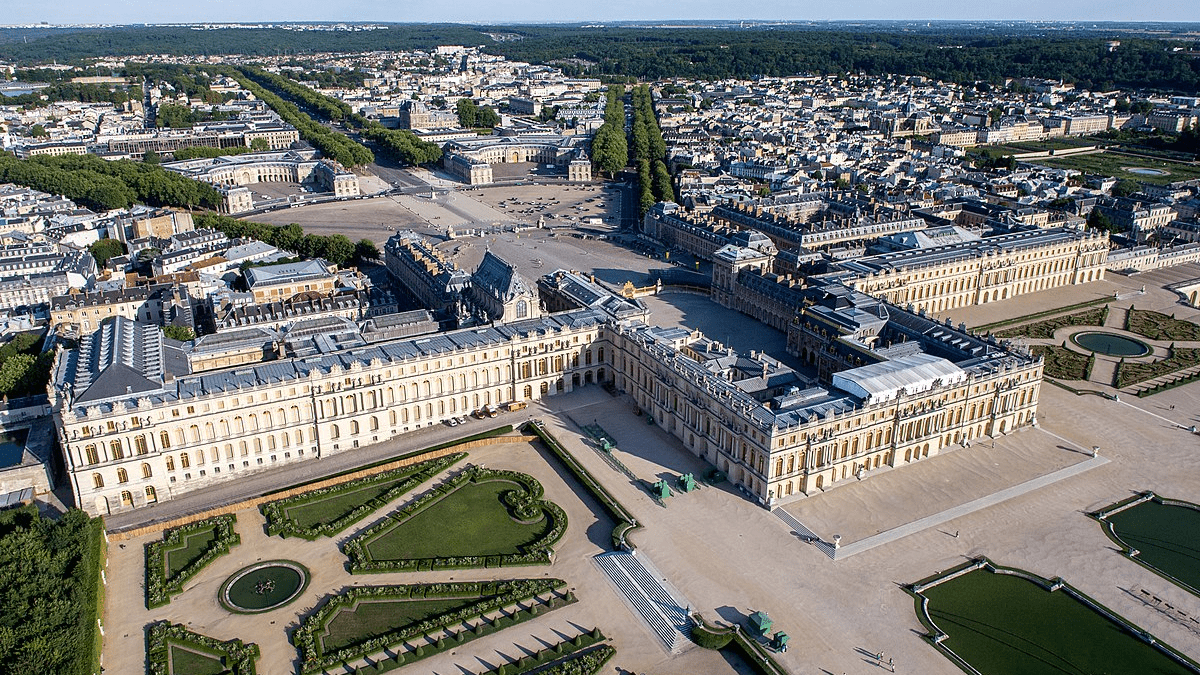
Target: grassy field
{"points": [[471, 521], [193, 547], [1039, 146], [1006, 625], [1045, 329], [372, 618], [184, 660], [1109, 164], [1167, 538]]}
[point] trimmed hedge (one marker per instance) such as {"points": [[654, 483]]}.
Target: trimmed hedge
{"points": [[159, 586], [282, 524], [1062, 363], [492, 595], [1159, 326], [236, 656], [568, 656], [1045, 329], [1039, 315], [713, 637], [1180, 358], [626, 523], [526, 506]]}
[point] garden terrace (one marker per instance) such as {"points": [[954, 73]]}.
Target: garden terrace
{"points": [[993, 620], [1162, 535], [182, 553], [326, 511], [172, 649], [478, 518], [418, 620]]}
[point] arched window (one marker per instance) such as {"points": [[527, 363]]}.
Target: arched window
{"points": [[122, 477], [90, 453], [353, 427], [151, 495], [374, 423], [164, 439], [146, 473], [334, 432], [97, 480], [115, 449], [183, 460], [170, 463], [126, 498], [139, 443], [522, 309]]}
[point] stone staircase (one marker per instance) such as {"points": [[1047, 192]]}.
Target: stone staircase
{"points": [[657, 606]]}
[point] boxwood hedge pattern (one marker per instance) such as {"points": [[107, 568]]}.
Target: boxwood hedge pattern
{"points": [[236, 656], [492, 595], [160, 587], [526, 505], [280, 523]]}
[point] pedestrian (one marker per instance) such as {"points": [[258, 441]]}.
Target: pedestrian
{"points": [[879, 656], [891, 665]]}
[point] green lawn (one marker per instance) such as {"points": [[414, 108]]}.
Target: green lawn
{"points": [[1006, 625], [471, 521], [1167, 538], [193, 547], [1109, 164], [324, 511], [184, 661], [372, 618]]}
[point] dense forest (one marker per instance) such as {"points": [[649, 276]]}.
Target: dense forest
{"points": [[102, 185], [49, 586], [959, 55]]}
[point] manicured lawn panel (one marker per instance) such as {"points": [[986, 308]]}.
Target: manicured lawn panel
{"points": [[1166, 536], [323, 512], [1006, 625], [1113, 165], [1159, 326], [371, 619], [326, 511], [194, 546], [184, 660], [472, 520]]}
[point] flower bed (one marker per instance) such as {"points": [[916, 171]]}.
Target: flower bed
{"points": [[447, 630], [161, 584], [281, 518], [522, 505], [234, 656]]}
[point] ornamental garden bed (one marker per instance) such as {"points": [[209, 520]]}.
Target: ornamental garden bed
{"points": [[1159, 326], [172, 649], [994, 621], [414, 621], [1062, 363], [1045, 329], [182, 553], [327, 511], [1129, 373], [479, 518], [1162, 535]]}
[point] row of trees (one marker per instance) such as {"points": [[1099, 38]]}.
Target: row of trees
{"points": [[337, 248], [402, 144], [610, 150], [103, 185], [74, 91], [332, 144], [647, 149]]}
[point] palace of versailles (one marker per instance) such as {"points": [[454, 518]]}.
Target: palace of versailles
{"points": [[141, 420]]}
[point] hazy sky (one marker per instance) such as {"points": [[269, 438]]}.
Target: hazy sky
{"points": [[547, 11]]}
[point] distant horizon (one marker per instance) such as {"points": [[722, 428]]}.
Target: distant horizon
{"points": [[499, 12]]}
